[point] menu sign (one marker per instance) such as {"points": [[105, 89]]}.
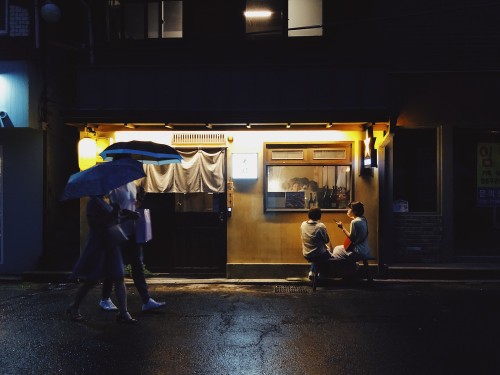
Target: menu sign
{"points": [[488, 174]]}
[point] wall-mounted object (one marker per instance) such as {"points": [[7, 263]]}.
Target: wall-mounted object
{"points": [[244, 166], [87, 153], [5, 121], [368, 155]]}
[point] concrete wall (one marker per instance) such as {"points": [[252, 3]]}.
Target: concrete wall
{"points": [[22, 172]]}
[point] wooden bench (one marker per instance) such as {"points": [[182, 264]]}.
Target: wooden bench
{"points": [[342, 268]]}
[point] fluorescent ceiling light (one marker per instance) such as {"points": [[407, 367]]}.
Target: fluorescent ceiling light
{"points": [[258, 13]]}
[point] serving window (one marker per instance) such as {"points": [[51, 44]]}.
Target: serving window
{"points": [[299, 177]]}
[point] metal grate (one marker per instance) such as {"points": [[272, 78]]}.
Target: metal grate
{"points": [[291, 289], [198, 138]]}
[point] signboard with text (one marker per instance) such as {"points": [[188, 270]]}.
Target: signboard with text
{"points": [[488, 174]]}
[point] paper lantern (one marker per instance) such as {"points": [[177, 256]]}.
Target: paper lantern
{"points": [[87, 151]]}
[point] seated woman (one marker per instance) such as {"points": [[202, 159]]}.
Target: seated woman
{"points": [[358, 234]]}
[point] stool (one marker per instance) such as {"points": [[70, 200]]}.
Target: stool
{"points": [[336, 265]]}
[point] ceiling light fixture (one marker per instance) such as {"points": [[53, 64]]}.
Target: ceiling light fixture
{"points": [[258, 13]]}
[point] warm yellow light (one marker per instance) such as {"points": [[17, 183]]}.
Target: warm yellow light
{"points": [[87, 151], [367, 146], [258, 13], [102, 143]]}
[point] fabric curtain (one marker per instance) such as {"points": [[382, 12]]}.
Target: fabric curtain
{"points": [[199, 172]]}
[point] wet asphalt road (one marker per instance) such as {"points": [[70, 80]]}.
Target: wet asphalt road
{"points": [[391, 328]]}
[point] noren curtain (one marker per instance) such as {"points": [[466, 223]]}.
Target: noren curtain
{"points": [[199, 172]]}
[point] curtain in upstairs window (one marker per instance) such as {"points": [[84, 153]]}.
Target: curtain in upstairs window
{"points": [[199, 172]]}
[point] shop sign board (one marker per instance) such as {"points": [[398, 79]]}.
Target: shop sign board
{"points": [[488, 174]]}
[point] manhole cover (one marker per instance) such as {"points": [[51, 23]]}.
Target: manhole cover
{"points": [[291, 289]]}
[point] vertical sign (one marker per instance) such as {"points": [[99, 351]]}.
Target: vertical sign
{"points": [[488, 174], [1, 204]]}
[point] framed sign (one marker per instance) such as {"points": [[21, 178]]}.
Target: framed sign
{"points": [[244, 166]]}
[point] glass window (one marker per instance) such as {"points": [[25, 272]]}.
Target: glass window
{"points": [[3, 16], [126, 19], [415, 168], [133, 19], [276, 18], [300, 187], [172, 16], [305, 18]]}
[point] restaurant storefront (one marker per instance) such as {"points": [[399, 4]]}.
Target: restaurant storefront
{"points": [[242, 218]]}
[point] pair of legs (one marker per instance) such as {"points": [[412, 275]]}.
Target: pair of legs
{"points": [[340, 253], [87, 285], [320, 263], [132, 254]]}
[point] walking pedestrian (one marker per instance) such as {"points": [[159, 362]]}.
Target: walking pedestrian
{"points": [[100, 258], [126, 198]]}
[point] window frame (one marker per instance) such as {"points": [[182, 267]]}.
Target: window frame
{"points": [[5, 30], [308, 160]]}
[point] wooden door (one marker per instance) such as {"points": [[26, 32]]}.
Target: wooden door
{"points": [[189, 233]]}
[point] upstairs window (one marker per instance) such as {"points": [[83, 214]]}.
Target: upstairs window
{"points": [[140, 19], [3, 16], [218, 19], [278, 18]]}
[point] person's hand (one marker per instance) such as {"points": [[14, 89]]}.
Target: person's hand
{"points": [[339, 224]]}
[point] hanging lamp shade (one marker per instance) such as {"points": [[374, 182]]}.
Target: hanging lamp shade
{"points": [[87, 153]]}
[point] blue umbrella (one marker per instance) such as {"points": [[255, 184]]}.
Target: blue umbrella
{"points": [[144, 151], [102, 178]]}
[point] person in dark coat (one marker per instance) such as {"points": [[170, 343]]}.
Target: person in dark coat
{"points": [[101, 258]]}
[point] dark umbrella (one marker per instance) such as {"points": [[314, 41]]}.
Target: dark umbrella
{"points": [[102, 178], [144, 151]]}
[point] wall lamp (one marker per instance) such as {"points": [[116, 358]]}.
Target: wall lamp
{"points": [[50, 12], [264, 13], [129, 126], [5, 121], [329, 125], [249, 126], [169, 126], [208, 126], [87, 149], [288, 126]]}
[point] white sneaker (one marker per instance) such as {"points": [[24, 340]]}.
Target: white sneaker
{"points": [[107, 305], [152, 304]]}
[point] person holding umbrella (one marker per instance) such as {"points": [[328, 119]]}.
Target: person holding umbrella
{"points": [[101, 257], [125, 197]]}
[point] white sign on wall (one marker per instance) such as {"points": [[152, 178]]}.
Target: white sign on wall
{"points": [[244, 166]]}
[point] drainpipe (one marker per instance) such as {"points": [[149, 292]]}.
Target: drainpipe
{"points": [[89, 29]]}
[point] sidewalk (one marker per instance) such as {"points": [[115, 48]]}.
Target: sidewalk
{"points": [[415, 272]]}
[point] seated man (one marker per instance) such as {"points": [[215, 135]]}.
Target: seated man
{"points": [[315, 240]]}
